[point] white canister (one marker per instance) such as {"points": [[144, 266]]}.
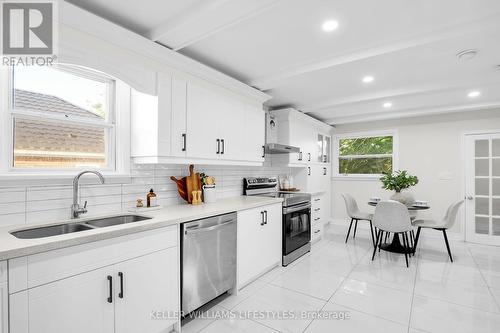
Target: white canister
{"points": [[209, 194]]}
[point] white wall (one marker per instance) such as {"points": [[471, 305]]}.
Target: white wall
{"points": [[430, 148], [39, 204]]}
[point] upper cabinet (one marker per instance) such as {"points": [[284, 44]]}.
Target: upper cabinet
{"points": [[191, 121], [310, 135]]}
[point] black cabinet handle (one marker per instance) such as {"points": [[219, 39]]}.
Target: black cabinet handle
{"points": [[265, 216], [218, 146], [183, 141], [324, 171], [110, 297], [308, 171], [309, 157], [317, 199], [317, 209], [317, 231], [223, 146], [317, 219], [262, 218], [120, 294], [263, 151]]}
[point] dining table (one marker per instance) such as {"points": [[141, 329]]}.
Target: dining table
{"points": [[395, 246]]}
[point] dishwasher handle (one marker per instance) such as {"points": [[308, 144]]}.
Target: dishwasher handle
{"points": [[214, 227]]}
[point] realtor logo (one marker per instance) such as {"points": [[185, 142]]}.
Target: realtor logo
{"points": [[28, 30]]}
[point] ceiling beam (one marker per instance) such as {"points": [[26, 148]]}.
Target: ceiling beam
{"points": [[408, 113], [270, 81], [205, 19]]}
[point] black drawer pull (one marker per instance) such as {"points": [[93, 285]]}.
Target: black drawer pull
{"points": [[120, 275], [184, 142], [110, 297]]}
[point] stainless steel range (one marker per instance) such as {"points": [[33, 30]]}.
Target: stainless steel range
{"points": [[296, 215]]}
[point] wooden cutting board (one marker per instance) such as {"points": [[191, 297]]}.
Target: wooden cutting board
{"points": [[193, 183]]}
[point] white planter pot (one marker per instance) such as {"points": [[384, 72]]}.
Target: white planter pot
{"points": [[406, 198]]}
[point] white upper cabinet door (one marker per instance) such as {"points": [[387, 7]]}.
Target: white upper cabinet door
{"points": [[145, 285], [255, 133], [179, 133], [231, 124], [203, 116], [164, 114], [151, 118], [81, 304]]}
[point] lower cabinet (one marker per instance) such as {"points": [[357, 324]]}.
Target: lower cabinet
{"points": [[4, 299], [135, 294], [319, 215], [259, 241], [150, 287], [77, 304]]}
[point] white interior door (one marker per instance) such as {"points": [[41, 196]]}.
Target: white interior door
{"points": [[483, 188]]}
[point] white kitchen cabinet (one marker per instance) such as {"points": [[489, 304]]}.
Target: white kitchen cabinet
{"points": [[151, 120], [300, 130], [108, 286], [4, 298], [203, 116], [178, 124], [194, 122], [150, 283], [77, 304], [259, 241], [255, 133]]}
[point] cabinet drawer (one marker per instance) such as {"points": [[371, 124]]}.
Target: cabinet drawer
{"points": [[317, 231], [37, 269]]}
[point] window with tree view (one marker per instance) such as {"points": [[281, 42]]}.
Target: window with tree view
{"points": [[62, 118], [365, 155]]}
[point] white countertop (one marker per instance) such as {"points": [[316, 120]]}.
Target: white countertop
{"points": [[12, 247]]}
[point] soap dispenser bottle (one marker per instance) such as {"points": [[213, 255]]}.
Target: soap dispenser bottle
{"points": [[151, 199]]}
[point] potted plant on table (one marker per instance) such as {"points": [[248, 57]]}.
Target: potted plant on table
{"points": [[399, 181]]}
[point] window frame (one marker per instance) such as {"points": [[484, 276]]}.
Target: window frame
{"points": [[116, 124], [368, 134]]}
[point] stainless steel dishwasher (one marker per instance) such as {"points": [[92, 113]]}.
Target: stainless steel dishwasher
{"points": [[208, 259]]}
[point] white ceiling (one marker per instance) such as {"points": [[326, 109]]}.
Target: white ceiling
{"points": [[278, 46]]}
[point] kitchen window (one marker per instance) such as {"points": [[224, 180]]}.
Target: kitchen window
{"points": [[59, 119], [365, 154]]}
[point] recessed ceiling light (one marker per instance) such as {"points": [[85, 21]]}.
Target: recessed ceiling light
{"points": [[474, 94], [330, 25], [387, 105], [368, 79], [467, 54]]}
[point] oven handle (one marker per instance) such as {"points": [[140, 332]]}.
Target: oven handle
{"points": [[288, 210]]}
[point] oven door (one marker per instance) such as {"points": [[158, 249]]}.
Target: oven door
{"points": [[296, 227]]}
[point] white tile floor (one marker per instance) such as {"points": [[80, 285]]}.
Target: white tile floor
{"points": [[335, 280]]}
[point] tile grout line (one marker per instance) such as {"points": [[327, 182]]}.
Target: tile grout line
{"points": [[484, 279], [417, 262], [337, 289]]}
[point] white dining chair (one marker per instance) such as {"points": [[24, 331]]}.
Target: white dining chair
{"points": [[393, 217], [356, 215], [446, 223]]}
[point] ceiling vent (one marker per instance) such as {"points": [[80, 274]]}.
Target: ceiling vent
{"points": [[467, 54]]}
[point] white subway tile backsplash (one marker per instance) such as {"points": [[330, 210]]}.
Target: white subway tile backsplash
{"points": [[12, 194], [39, 204], [12, 219]]}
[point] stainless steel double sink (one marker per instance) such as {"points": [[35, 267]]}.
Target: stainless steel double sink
{"points": [[68, 228]]}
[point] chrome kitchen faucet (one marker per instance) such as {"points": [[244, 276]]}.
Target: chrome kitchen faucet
{"points": [[76, 210]]}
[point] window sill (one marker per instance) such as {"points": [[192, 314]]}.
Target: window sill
{"points": [[356, 177], [24, 179]]}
